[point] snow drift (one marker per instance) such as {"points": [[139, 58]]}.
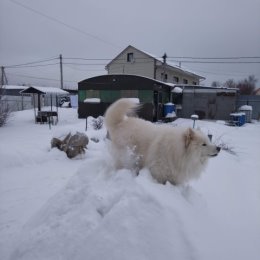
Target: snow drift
{"points": [[56, 208]]}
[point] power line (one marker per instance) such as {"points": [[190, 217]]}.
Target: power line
{"points": [[218, 62], [221, 73], [64, 24], [89, 59], [30, 63], [104, 64], [85, 70], [193, 60], [31, 66], [90, 62], [84, 64], [33, 77], [200, 62], [214, 58], [169, 57]]}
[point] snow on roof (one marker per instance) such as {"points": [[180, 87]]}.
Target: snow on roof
{"points": [[14, 87], [45, 90], [92, 100], [177, 90], [237, 114]]}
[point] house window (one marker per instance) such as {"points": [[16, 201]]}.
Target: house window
{"points": [[130, 57], [185, 81], [194, 82], [129, 93], [164, 77], [175, 79], [90, 93], [82, 95], [109, 96]]}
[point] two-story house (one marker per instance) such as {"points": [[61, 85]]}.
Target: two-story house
{"points": [[132, 61]]}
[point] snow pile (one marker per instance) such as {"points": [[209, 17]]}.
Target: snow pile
{"points": [[177, 90], [92, 100], [194, 117], [170, 115], [52, 207], [111, 215], [246, 108]]}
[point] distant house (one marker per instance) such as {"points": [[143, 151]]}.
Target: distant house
{"points": [[11, 95], [133, 61]]}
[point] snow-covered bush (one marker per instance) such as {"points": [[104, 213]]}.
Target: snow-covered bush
{"points": [[97, 123]]}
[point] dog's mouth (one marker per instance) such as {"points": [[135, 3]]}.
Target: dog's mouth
{"points": [[213, 155], [217, 152]]}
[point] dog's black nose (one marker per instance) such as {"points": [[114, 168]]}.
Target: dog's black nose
{"points": [[218, 148]]}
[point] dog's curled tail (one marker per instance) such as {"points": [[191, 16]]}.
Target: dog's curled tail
{"points": [[118, 111]]}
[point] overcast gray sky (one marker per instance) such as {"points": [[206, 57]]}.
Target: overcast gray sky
{"points": [[99, 29]]}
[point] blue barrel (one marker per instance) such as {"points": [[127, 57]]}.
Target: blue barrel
{"points": [[238, 118], [168, 108], [243, 118]]}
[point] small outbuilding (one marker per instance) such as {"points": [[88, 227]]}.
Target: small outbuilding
{"points": [[45, 115], [206, 102], [97, 93]]}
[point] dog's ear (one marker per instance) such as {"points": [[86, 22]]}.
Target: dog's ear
{"points": [[189, 136]]}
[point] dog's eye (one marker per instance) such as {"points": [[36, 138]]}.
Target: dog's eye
{"points": [[204, 144]]}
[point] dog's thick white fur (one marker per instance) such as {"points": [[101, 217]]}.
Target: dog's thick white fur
{"points": [[170, 153]]}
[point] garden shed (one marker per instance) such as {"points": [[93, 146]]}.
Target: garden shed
{"points": [[97, 93], [206, 102]]}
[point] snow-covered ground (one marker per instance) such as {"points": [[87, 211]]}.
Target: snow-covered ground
{"points": [[52, 207]]}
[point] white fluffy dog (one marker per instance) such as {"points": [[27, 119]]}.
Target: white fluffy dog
{"points": [[170, 153]]}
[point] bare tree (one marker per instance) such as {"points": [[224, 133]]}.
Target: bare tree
{"points": [[230, 83], [216, 84], [247, 86]]}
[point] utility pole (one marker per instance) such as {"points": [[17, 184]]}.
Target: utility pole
{"points": [[4, 80], [61, 73], [164, 65]]}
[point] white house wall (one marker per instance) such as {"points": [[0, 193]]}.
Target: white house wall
{"points": [[142, 64], [147, 66], [171, 74]]}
